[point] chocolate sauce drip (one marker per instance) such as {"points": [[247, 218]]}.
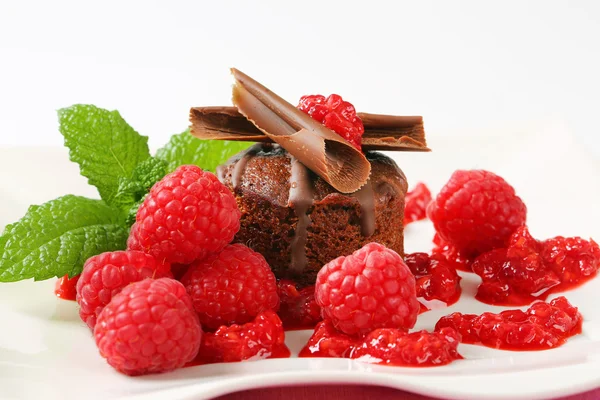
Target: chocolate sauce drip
{"points": [[300, 199], [240, 165], [366, 199]]}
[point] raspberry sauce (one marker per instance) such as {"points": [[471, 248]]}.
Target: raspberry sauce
{"points": [[543, 326], [529, 269], [66, 288], [385, 346]]}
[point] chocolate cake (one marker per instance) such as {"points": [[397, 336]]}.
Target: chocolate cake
{"points": [[299, 222]]}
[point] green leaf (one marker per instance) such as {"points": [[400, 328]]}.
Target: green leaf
{"points": [[56, 238], [131, 190], [207, 154], [103, 144]]}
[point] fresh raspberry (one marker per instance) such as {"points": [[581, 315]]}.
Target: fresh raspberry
{"points": [[336, 114], [476, 211], [542, 326], [416, 202], [528, 269], [372, 288], [186, 215], [385, 346], [436, 278], [231, 287], [298, 309], [149, 327], [262, 338], [396, 347], [66, 288], [104, 276], [572, 259]]}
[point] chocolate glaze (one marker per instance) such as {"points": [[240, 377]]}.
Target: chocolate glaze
{"points": [[240, 164], [366, 199], [300, 200]]}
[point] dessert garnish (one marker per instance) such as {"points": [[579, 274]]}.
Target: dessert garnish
{"points": [[298, 308], [542, 326], [529, 269], [336, 114], [322, 151], [436, 279], [382, 132], [385, 346], [369, 289], [261, 338], [416, 201], [231, 286]]}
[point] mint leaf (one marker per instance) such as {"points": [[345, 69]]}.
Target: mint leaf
{"points": [[56, 238], [131, 190], [103, 144], [207, 154]]}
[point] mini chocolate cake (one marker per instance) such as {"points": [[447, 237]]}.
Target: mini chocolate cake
{"points": [[299, 222]]}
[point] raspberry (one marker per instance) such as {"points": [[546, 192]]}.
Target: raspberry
{"points": [[476, 211], [416, 202], [298, 309], [396, 347], [385, 346], [542, 326], [336, 114], [186, 215], [262, 338], [66, 288], [372, 288], [436, 278], [104, 276], [528, 269], [231, 287], [149, 327]]}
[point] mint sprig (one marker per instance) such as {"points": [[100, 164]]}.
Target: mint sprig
{"points": [[103, 144], [207, 154], [57, 237], [54, 239]]}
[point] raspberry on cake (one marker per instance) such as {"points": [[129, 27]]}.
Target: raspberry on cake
{"points": [[187, 215], [336, 114], [108, 273], [369, 289]]}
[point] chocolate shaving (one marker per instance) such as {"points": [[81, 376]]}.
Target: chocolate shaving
{"points": [[382, 132], [317, 147]]}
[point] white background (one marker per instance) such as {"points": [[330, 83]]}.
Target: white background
{"points": [[469, 67]]}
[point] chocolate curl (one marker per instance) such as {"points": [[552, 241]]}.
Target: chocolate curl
{"points": [[382, 132], [321, 150]]}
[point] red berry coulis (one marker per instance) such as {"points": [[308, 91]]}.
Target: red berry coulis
{"points": [[529, 269], [385, 346], [416, 202], [436, 278], [543, 326], [66, 288], [297, 308], [458, 260]]}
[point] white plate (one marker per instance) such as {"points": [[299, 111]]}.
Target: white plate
{"points": [[47, 352]]}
